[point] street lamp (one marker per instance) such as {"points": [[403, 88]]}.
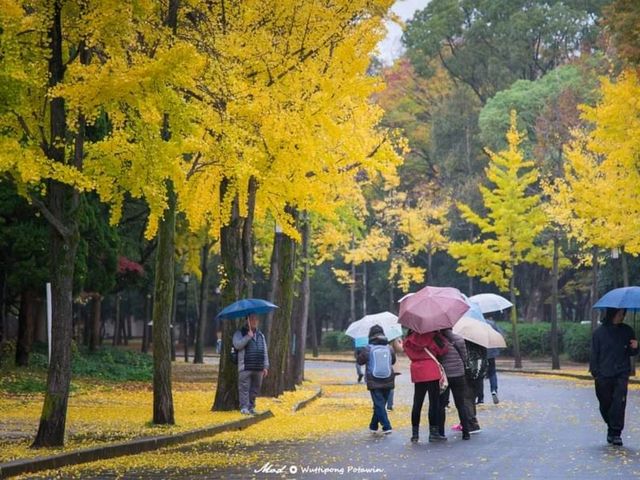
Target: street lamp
{"points": [[185, 279]]}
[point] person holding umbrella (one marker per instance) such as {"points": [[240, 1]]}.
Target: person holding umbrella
{"points": [[253, 363], [429, 310], [425, 376], [612, 344], [250, 349], [379, 357]]}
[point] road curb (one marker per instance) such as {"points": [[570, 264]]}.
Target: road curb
{"points": [[303, 403], [339, 360], [132, 447], [558, 373]]}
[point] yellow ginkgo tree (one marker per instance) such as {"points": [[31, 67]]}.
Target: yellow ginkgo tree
{"points": [[510, 229], [600, 191]]}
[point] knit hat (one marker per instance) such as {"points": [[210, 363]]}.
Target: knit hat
{"points": [[375, 331]]}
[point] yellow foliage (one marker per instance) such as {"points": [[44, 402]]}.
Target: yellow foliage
{"points": [[514, 219], [598, 201]]}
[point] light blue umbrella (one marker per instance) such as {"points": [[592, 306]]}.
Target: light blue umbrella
{"points": [[245, 307], [361, 342], [626, 297], [475, 311]]}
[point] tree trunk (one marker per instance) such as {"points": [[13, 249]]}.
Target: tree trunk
{"points": [[62, 203], [145, 326], [235, 251], [364, 289], [625, 268], [162, 312], [174, 318], [279, 335], [117, 321], [198, 356], [96, 311], [274, 272], [3, 307], [555, 355], [305, 295], [314, 333], [352, 295], [429, 264], [514, 321], [26, 327], [185, 323], [594, 289]]}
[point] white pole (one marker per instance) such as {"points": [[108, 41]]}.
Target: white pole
{"points": [[49, 317]]}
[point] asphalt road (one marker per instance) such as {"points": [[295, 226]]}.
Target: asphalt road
{"points": [[543, 428]]}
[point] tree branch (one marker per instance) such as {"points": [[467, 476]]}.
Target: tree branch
{"points": [[55, 222]]}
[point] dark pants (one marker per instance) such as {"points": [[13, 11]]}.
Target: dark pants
{"points": [[379, 396], [478, 388], [458, 388], [420, 390], [470, 402], [612, 395]]}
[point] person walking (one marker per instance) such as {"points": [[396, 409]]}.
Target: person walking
{"points": [[425, 375], [379, 357], [492, 373], [612, 345], [454, 365], [475, 371], [359, 368], [396, 344], [253, 363]]}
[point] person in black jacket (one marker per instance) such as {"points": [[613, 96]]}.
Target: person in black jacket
{"points": [[612, 344], [380, 376]]}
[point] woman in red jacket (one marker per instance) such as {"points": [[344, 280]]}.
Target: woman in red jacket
{"points": [[425, 374]]}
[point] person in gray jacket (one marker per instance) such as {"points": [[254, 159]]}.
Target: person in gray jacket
{"points": [[253, 363], [453, 363]]}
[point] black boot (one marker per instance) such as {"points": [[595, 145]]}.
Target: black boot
{"points": [[414, 434], [434, 435]]}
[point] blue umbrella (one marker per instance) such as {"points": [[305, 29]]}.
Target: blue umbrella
{"points": [[626, 297], [245, 307]]}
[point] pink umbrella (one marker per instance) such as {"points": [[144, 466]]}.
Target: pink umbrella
{"points": [[432, 308]]}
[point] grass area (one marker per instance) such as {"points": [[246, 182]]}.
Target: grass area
{"points": [[108, 364], [102, 411], [342, 408]]}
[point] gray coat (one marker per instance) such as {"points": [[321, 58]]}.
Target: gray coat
{"points": [[452, 361]]}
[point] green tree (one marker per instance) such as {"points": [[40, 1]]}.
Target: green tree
{"points": [[530, 98], [488, 44], [510, 228]]}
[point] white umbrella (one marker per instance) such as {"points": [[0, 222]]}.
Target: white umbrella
{"points": [[479, 332], [387, 320], [490, 302]]}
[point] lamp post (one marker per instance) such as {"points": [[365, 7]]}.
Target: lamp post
{"points": [[185, 279]]}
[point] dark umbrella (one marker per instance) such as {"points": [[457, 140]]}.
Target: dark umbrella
{"points": [[246, 307]]}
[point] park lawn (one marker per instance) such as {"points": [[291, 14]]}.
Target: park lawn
{"points": [[102, 412], [342, 408]]}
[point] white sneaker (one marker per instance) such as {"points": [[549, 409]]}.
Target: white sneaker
{"points": [[244, 411], [495, 397]]}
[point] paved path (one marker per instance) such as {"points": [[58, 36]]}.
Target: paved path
{"points": [[542, 429]]}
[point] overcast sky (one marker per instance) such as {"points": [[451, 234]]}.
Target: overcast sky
{"points": [[391, 47]]}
